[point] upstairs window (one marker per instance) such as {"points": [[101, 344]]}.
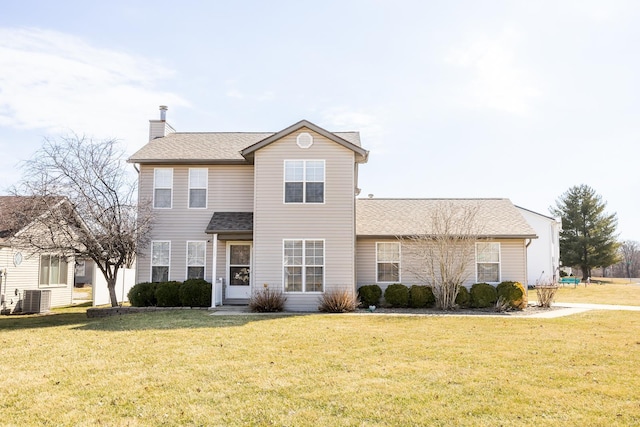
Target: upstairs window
{"points": [[488, 262], [198, 187], [304, 181], [162, 188], [53, 270], [388, 262]]}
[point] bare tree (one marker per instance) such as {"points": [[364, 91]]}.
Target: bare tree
{"points": [[84, 204], [442, 257], [630, 254]]}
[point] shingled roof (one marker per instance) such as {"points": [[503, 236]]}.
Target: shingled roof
{"points": [[220, 147], [230, 222], [16, 212], [496, 218]]}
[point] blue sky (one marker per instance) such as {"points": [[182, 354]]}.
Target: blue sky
{"points": [[514, 99]]}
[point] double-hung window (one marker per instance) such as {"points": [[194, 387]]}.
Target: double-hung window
{"points": [[53, 270], [196, 254], [388, 261], [198, 187], [488, 262], [160, 256], [304, 181], [162, 187], [303, 265]]}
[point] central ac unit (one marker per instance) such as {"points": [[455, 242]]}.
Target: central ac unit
{"points": [[36, 301]]}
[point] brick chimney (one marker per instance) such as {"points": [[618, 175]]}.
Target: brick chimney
{"points": [[160, 128]]}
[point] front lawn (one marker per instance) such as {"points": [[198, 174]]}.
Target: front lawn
{"points": [[190, 368]]}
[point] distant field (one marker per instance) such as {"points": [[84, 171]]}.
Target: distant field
{"points": [[610, 291]]}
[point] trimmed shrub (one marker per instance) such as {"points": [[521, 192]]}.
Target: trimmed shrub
{"points": [[267, 301], [513, 293], [421, 296], [195, 293], [483, 295], [369, 295], [338, 301], [143, 294], [463, 299], [397, 295], [168, 294]]}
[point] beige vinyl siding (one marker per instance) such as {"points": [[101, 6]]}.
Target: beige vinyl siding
{"points": [[331, 221], [26, 277], [230, 189], [513, 260], [512, 263]]}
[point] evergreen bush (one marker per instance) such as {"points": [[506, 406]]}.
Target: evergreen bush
{"points": [[195, 293], [421, 296], [369, 295], [143, 294], [483, 295], [513, 293], [397, 295], [168, 294], [463, 299]]}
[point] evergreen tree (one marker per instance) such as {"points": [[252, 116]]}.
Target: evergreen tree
{"points": [[588, 237]]}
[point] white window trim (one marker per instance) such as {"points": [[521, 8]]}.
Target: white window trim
{"points": [[162, 188], [186, 270], [399, 262], [304, 182], [205, 188], [151, 260], [499, 262], [304, 267], [52, 285], [228, 264]]}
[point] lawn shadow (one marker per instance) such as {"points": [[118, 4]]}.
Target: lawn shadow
{"points": [[177, 319], [76, 318]]}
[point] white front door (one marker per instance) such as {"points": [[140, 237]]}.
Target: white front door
{"points": [[238, 283]]}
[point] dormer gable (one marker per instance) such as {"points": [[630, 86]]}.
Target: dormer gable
{"points": [[361, 154]]}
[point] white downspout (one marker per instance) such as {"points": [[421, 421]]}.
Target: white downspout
{"points": [[214, 271]]}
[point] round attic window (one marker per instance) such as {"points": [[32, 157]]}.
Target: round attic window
{"points": [[304, 140]]}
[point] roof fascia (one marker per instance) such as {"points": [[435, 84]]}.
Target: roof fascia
{"points": [[249, 151]]}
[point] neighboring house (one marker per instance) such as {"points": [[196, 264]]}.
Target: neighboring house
{"points": [[279, 209], [26, 270], [543, 254]]}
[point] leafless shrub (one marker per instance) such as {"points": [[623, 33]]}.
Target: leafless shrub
{"points": [[442, 257], [338, 301], [546, 292], [267, 300]]}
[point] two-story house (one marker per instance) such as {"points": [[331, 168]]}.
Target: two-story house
{"points": [[280, 209], [253, 209]]}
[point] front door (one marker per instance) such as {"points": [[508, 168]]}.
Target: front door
{"points": [[238, 270]]}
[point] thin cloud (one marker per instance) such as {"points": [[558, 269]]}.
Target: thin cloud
{"points": [[53, 81]]}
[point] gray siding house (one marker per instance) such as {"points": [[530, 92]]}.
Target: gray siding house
{"points": [[247, 210]]}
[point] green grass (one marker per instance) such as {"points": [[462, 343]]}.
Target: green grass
{"points": [[189, 368]]}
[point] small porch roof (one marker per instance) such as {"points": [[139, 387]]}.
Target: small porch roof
{"points": [[230, 223]]}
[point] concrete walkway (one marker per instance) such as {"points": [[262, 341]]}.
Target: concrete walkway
{"points": [[569, 308], [561, 309]]}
